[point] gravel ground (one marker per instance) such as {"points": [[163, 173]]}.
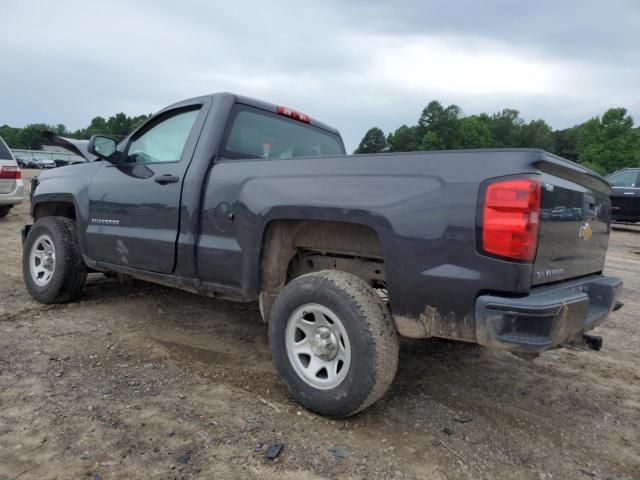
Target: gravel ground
{"points": [[140, 381]]}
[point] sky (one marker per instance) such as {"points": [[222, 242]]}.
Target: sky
{"points": [[353, 64]]}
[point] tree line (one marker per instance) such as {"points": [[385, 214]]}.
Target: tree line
{"points": [[605, 143], [32, 136]]}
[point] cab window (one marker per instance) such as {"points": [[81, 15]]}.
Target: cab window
{"points": [[165, 141], [256, 133]]}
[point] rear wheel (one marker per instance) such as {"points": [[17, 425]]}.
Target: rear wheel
{"points": [[4, 210], [52, 266], [333, 342]]}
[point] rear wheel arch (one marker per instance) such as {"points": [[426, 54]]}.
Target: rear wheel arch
{"points": [[291, 248]]}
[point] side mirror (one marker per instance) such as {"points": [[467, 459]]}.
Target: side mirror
{"points": [[102, 147]]}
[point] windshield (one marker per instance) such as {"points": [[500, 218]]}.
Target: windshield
{"points": [[624, 179], [255, 133]]}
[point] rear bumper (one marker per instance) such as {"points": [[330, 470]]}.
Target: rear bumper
{"points": [[549, 317], [15, 196]]}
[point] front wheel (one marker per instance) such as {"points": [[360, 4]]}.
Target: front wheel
{"points": [[52, 266], [333, 342]]}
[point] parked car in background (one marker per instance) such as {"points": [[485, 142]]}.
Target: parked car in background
{"points": [[11, 185], [31, 163], [625, 195], [63, 163], [44, 163], [35, 163]]}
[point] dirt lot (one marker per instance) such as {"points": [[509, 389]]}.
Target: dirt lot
{"points": [[140, 381]]}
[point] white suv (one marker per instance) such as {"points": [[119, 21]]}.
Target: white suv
{"points": [[11, 186]]}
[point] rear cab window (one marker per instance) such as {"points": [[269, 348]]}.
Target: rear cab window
{"points": [[256, 133]]}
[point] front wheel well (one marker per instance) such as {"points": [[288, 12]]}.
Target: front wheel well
{"points": [[54, 209], [292, 248]]}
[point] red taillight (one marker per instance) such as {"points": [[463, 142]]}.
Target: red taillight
{"points": [[287, 112], [511, 218], [10, 173]]}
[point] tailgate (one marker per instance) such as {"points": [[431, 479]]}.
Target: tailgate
{"points": [[574, 223]]}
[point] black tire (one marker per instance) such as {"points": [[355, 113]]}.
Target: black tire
{"points": [[4, 210], [69, 273], [371, 333]]}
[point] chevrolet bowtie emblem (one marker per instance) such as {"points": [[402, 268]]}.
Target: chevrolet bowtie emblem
{"points": [[586, 232]]}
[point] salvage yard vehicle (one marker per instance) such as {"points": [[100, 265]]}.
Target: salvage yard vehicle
{"points": [[625, 195], [236, 198], [43, 162], [11, 185]]}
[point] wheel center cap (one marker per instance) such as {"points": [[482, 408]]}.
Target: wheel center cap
{"points": [[324, 343], [47, 261]]}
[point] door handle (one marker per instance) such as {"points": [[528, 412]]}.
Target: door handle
{"points": [[166, 178]]}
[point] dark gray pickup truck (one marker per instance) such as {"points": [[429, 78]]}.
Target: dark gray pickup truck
{"points": [[235, 198]]}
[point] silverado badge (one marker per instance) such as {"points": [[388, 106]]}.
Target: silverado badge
{"points": [[586, 232]]}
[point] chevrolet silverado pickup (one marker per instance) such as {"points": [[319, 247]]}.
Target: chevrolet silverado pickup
{"points": [[231, 197]]}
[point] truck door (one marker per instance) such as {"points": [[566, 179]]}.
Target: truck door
{"points": [[134, 205]]}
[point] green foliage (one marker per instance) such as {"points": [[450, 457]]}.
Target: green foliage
{"points": [[430, 141], [536, 134], [566, 142], [442, 126], [31, 137], [119, 125], [602, 144], [404, 139], [609, 142], [505, 128], [372, 142], [474, 132]]}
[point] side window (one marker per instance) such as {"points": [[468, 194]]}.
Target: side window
{"points": [[163, 142], [624, 179]]}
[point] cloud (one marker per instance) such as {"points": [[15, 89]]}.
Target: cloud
{"points": [[351, 64]]}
